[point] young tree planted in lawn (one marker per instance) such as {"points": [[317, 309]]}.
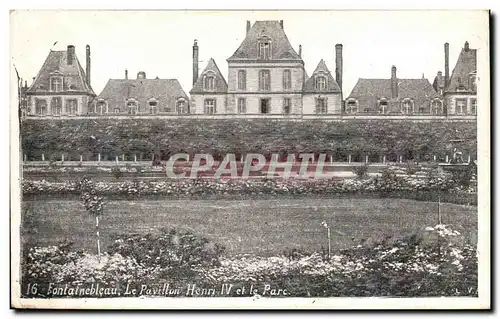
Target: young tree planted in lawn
{"points": [[93, 204]]}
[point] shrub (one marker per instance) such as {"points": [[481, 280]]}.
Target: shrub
{"points": [[361, 171], [175, 252], [117, 173], [412, 168]]}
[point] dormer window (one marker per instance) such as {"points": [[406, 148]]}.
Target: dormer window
{"points": [[460, 87], [437, 107], [351, 106], [132, 107], [321, 83], [153, 106], [383, 105], [209, 82], [56, 83], [265, 48], [101, 107], [182, 106], [407, 106]]}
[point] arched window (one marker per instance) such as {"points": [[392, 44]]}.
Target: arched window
{"points": [[351, 106], [437, 107], [407, 106], [383, 106], [132, 106], [321, 82]]}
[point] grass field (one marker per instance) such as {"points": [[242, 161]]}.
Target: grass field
{"points": [[263, 227]]}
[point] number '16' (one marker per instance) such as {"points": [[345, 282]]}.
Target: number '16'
{"points": [[32, 289]]}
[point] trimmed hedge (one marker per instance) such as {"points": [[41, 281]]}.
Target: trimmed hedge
{"points": [[145, 137]]}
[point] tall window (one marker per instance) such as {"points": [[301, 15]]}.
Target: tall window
{"points": [[40, 106], [132, 107], [437, 107], [264, 80], [287, 105], [383, 106], [265, 50], [56, 106], [320, 83], [242, 80], [321, 106], [56, 84], [351, 107], [153, 107], [473, 106], [460, 106], [407, 106], [209, 83], [287, 79], [72, 106], [210, 107], [242, 106]]}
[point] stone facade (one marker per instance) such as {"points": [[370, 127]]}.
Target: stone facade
{"points": [[62, 87], [266, 76]]}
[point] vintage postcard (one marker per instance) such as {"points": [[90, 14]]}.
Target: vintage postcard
{"points": [[250, 159]]}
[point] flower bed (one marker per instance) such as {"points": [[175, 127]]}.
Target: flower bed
{"points": [[385, 185], [435, 262]]}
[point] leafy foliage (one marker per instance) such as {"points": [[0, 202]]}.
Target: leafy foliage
{"points": [[113, 137], [361, 171], [90, 198]]}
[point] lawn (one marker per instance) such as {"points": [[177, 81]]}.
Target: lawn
{"points": [[262, 227]]}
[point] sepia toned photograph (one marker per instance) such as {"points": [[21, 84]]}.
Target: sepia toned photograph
{"points": [[250, 159]]}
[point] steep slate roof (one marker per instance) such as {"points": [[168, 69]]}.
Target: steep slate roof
{"points": [[310, 86], [73, 74], [281, 49], [220, 82], [166, 91], [369, 91], [466, 64]]}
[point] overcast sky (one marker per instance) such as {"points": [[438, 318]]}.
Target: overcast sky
{"points": [[160, 42]]}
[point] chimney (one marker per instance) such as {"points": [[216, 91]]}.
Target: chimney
{"points": [[338, 66], [195, 61], [281, 23], [394, 83], [126, 74], [466, 46], [70, 53], [300, 50], [141, 75], [87, 71], [248, 26], [446, 64]]}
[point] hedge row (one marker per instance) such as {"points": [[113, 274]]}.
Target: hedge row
{"points": [[143, 138]]}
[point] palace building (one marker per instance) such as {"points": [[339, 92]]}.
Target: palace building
{"points": [[266, 76]]}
